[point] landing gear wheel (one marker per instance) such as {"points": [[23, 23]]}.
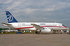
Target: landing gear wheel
{"points": [[37, 32], [54, 32]]}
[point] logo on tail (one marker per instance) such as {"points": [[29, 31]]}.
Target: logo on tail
{"points": [[10, 17]]}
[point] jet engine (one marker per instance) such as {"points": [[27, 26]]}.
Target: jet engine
{"points": [[43, 30], [46, 30]]}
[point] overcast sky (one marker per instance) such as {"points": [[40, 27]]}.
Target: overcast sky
{"points": [[36, 10]]}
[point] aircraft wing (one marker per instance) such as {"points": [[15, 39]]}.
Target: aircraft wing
{"points": [[37, 26]]}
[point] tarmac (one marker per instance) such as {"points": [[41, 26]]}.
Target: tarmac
{"points": [[34, 40]]}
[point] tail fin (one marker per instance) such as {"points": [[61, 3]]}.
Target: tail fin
{"points": [[10, 17]]}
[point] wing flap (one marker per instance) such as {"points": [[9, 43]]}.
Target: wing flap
{"points": [[37, 26]]}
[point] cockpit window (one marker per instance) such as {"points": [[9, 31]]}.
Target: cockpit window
{"points": [[63, 25]]}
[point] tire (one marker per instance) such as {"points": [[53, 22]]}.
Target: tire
{"points": [[37, 32]]}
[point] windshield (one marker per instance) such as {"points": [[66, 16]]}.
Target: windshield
{"points": [[64, 25]]}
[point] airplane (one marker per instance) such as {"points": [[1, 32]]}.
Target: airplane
{"points": [[37, 26]]}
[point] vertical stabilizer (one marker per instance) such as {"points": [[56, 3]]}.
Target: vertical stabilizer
{"points": [[10, 17]]}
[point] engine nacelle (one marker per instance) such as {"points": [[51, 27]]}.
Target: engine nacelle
{"points": [[46, 30]]}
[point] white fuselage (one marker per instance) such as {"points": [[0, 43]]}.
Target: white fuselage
{"points": [[27, 25]]}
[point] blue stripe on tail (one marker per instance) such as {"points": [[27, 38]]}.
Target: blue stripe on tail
{"points": [[10, 17]]}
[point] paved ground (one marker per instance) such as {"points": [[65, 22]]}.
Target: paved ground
{"points": [[34, 40]]}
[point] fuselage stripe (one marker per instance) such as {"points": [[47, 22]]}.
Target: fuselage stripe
{"points": [[41, 26]]}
